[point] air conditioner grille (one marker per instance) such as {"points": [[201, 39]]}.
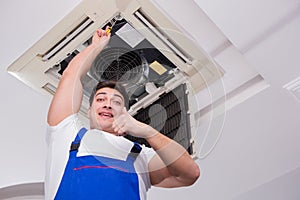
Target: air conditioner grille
{"points": [[169, 115]]}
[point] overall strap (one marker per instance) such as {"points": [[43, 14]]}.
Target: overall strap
{"points": [[76, 143], [135, 150]]}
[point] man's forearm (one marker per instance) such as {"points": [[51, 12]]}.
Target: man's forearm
{"points": [[82, 62], [175, 157]]}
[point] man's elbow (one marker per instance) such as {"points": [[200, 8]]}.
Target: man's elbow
{"points": [[195, 174]]}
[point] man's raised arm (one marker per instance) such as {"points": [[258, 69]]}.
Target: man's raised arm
{"points": [[68, 97]]}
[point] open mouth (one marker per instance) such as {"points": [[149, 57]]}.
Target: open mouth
{"points": [[105, 114]]}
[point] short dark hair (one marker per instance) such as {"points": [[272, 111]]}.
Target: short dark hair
{"points": [[110, 84]]}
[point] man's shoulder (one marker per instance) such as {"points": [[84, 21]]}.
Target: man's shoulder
{"points": [[71, 125]]}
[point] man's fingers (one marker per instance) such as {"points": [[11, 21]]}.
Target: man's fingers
{"points": [[120, 131], [101, 32], [120, 120], [118, 114]]}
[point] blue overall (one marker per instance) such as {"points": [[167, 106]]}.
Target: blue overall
{"points": [[97, 177]]}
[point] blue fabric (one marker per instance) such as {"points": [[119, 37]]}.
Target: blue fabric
{"points": [[97, 177]]}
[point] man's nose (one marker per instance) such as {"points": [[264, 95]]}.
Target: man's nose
{"points": [[107, 104]]}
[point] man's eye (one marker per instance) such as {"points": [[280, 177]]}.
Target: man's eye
{"points": [[99, 99], [117, 102]]}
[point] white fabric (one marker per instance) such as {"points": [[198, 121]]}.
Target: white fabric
{"points": [[95, 142]]}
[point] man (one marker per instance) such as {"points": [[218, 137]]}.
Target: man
{"points": [[101, 164]]}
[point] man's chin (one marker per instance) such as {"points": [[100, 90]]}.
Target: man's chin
{"points": [[108, 129]]}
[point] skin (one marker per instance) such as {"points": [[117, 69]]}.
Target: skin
{"points": [[171, 167], [107, 104]]}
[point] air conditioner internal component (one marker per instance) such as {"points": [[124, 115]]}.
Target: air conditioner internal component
{"points": [[147, 52], [130, 68]]}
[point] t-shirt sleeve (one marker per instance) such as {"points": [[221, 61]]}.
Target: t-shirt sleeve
{"points": [[70, 123], [148, 152]]}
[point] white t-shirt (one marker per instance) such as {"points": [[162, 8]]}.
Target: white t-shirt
{"points": [[94, 142]]}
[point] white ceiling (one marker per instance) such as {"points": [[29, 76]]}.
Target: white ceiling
{"points": [[256, 156]]}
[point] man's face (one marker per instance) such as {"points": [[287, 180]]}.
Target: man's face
{"points": [[107, 104]]}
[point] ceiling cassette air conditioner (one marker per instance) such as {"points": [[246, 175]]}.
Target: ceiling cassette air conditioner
{"points": [[147, 52]]}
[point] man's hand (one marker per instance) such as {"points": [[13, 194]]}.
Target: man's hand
{"points": [[101, 37], [124, 123]]}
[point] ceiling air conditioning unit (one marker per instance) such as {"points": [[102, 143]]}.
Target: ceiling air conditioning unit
{"points": [[148, 53]]}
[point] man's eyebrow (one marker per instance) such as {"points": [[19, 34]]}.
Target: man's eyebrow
{"points": [[113, 94]]}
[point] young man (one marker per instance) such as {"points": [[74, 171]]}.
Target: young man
{"points": [[101, 164]]}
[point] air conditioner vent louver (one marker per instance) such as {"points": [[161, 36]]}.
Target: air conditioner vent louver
{"points": [[83, 25], [153, 28]]}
